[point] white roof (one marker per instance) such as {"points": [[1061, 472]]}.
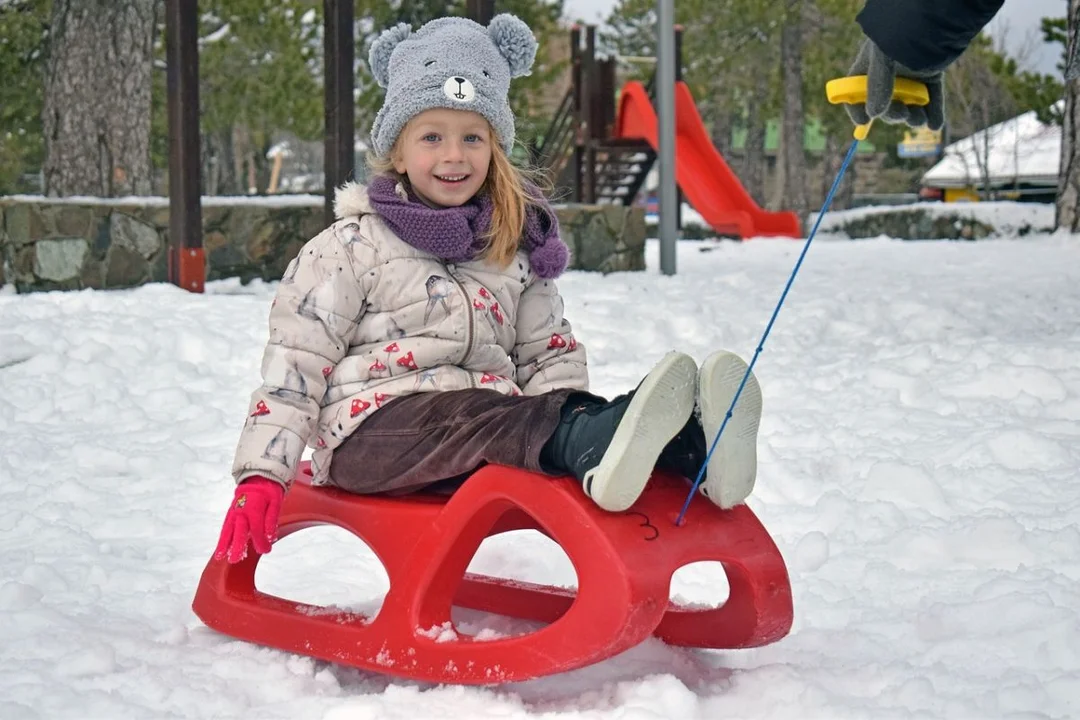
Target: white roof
{"points": [[1020, 150]]}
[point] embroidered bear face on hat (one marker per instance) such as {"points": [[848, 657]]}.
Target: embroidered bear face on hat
{"points": [[449, 63]]}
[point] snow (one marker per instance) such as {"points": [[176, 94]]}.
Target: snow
{"points": [[919, 461], [1019, 150], [690, 216], [219, 34], [162, 201], [282, 148]]}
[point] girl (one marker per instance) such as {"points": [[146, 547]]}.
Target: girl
{"points": [[421, 336]]}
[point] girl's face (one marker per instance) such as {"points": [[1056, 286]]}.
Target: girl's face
{"points": [[445, 154]]}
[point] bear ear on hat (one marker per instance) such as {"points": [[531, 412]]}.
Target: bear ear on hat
{"points": [[515, 41], [382, 48]]}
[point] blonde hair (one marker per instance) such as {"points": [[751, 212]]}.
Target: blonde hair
{"points": [[505, 184]]}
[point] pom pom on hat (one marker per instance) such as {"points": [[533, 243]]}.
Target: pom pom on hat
{"points": [[383, 48], [515, 41]]}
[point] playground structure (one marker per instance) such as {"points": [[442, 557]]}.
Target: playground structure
{"points": [[624, 564], [598, 152]]}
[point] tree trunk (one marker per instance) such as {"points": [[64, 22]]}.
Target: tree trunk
{"points": [[845, 195], [753, 170], [791, 163], [220, 163], [239, 159], [830, 163], [97, 98], [261, 163], [1068, 200], [721, 131]]}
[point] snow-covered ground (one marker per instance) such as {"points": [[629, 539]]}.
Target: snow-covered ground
{"points": [[920, 472]]}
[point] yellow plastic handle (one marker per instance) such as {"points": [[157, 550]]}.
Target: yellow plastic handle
{"points": [[852, 90]]}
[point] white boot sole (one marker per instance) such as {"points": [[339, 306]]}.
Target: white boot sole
{"points": [[732, 469], [658, 411]]}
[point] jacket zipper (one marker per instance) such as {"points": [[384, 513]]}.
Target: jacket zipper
{"points": [[470, 330]]}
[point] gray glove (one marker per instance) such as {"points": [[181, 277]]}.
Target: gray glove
{"points": [[881, 72]]}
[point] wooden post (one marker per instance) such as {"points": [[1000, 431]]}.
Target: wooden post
{"points": [[275, 173], [604, 125], [577, 110], [589, 99], [338, 52], [186, 260], [480, 10]]}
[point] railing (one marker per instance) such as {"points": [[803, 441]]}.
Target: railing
{"points": [[550, 154]]}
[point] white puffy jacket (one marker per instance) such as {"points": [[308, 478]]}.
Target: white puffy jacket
{"points": [[362, 317]]}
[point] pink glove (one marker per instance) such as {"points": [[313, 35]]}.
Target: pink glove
{"points": [[253, 514]]}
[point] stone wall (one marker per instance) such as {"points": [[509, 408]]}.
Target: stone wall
{"points": [[943, 221], [604, 238], [911, 224], [73, 243]]}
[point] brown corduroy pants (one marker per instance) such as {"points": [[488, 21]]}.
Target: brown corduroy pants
{"points": [[435, 440]]}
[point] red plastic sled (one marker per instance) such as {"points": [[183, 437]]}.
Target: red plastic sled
{"points": [[624, 563]]}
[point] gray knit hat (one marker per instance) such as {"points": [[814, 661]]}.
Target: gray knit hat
{"points": [[449, 63]]}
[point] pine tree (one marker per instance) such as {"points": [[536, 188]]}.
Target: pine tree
{"points": [[260, 74], [24, 28], [791, 163]]}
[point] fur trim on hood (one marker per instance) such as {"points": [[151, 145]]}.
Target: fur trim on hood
{"points": [[352, 199]]}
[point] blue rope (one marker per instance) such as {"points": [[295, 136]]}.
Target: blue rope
{"points": [[768, 329]]}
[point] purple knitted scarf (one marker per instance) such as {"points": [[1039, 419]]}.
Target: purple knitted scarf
{"points": [[455, 233]]}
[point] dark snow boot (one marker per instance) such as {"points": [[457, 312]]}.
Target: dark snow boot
{"points": [[686, 452], [612, 447]]}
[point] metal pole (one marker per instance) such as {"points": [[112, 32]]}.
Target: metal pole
{"points": [[665, 113], [186, 261], [339, 154], [678, 79]]}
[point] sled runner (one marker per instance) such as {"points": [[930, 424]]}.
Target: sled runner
{"points": [[624, 563]]}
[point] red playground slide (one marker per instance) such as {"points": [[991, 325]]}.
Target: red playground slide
{"points": [[706, 180]]}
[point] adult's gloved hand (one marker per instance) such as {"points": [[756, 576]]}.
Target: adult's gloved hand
{"points": [[881, 72], [253, 515]]}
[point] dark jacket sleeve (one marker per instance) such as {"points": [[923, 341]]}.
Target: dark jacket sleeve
{"points": [[925, 34]]}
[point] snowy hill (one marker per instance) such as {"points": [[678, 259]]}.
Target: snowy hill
{"points": [[919, 470]]}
